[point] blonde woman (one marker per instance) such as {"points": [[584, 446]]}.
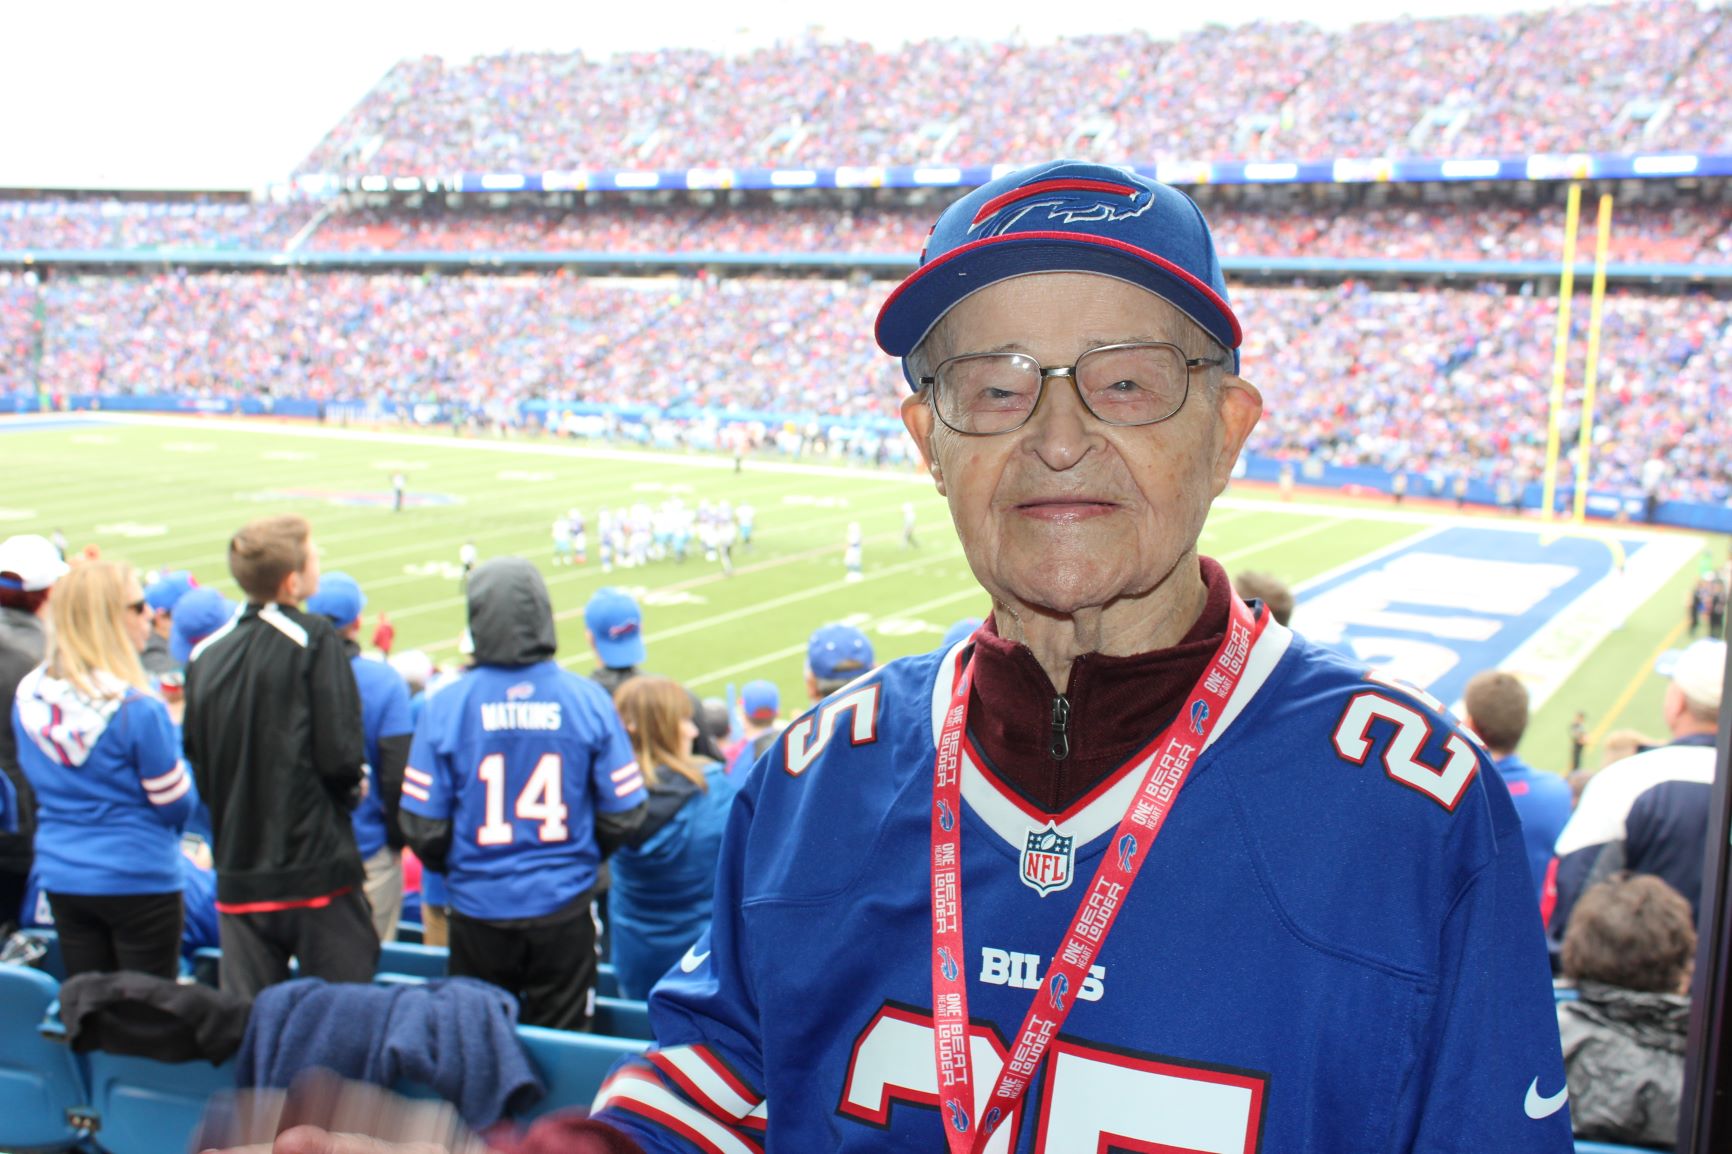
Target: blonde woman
{"points": [[664, 879], [112, 792]]}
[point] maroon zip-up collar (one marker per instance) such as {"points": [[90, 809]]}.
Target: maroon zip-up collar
{"points": [[1111, 707]]}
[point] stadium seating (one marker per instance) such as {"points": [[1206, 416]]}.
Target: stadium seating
{"points": [[572, 1065], [1637, 74], [42, 1091], [148, 1107]]}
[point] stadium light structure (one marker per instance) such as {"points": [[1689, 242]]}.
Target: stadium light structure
{"points": [[1705, 1120]]}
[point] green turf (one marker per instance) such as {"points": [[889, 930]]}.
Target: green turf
{"points": [[168, 496]]}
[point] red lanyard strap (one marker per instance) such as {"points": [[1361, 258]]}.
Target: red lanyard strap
{"points": [[1170, 756]]}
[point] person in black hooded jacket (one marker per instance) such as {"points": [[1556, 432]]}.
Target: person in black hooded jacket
{"points": [[520, 779]]}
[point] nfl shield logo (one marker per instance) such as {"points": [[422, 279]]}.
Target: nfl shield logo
{"points": [[1047, 860]]}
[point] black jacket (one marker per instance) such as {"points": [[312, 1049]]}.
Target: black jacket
{"points": [[150, 1017], [273, 734], [23, 638]]}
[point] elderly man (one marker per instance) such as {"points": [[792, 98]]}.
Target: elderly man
{"points": [[934, 925]]}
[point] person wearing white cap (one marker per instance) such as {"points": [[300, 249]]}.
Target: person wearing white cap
{"points": [[29, 567], [1649, 813]]}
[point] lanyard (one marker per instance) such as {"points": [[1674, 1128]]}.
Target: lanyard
{"points": [[1169, 762]]}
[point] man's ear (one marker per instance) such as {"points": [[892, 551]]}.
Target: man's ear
{"points": [[918, 419], [1237, 409]]}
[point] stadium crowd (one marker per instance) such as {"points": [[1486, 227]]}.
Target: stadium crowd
{"points": [[88, 225], [1690, 231], [1640, 74], [1432, 380]]}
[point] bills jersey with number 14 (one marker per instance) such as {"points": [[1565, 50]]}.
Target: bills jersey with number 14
{"points": [[1333, 947], [520, 759]]}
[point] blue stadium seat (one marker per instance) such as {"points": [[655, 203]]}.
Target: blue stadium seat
{"points": [[1583, 1146], [606, 981], [149, 1107], [406, 958], [410, 932], [572, 1065], [42, 1094], [622, 1018]]}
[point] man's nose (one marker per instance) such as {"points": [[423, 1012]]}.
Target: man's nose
{"points": [[1061, 430]]}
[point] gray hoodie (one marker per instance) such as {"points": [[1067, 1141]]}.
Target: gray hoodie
{"points": [[510, 616]]}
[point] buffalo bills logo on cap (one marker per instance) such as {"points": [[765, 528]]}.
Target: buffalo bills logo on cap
{"points": [[1065, 202], [622, 630]]}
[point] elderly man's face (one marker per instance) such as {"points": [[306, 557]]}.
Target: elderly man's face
{"points": [[1068, 513]]}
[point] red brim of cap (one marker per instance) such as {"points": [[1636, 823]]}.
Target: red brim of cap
{"points": [[936, 287]]}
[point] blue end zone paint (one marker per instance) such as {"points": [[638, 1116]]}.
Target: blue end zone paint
{"points": [[1453, 603], [360, 498]]}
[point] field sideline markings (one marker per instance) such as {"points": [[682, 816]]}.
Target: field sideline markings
{"points": [[528, 446], [1633, 686]]}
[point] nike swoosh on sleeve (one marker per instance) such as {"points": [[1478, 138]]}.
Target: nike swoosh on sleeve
{"points": [[1538, 1107], [692, 961]]}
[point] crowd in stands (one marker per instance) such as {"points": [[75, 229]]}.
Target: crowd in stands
{"points": [[1690, 231], [1639, 74], [1442, 381], [40, 225]]}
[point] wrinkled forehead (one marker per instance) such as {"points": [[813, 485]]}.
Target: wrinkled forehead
{"points": [[982, 319]]}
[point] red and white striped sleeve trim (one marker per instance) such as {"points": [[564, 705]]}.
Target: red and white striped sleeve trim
{"points": [[711, 1083], [627, 779], [168, 788], [417, 783], [638, 1092]]}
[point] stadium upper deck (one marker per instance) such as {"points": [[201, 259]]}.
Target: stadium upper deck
{"points": [[1635, 75]]}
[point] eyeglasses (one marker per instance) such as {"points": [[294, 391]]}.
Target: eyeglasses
{"points": [[984, 394], [138, 607]]}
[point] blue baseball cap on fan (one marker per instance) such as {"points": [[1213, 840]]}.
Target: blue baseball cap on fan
{"points": [[196, 616], [339, 598], [760, 700], [1064, 216], [838, 653], [616, 625], [163, 593]]}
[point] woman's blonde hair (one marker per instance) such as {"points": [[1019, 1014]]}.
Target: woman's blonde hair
{"points": [[87, 617], [652, 709]]}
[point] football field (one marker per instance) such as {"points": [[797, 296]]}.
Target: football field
{"points": [[1433, 594]]}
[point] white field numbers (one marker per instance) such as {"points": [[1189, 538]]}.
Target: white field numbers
{"points": [[1093, 1099], [541, 799]]}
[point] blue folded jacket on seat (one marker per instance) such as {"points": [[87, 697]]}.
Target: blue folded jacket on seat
{"points": [[457, 1036]]}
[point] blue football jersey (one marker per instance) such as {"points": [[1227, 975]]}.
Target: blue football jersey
{"points": [[384, 713], [1333, 948], [520, 760]]}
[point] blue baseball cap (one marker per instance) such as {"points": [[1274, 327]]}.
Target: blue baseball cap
{"points": [[196, 616], [960, 632], [760, 700], [1064, 216], [616, 624], [339, 598], [838, 653], [163, 593]]}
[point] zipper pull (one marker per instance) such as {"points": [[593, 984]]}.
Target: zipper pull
{"points": [[1060, 746]]}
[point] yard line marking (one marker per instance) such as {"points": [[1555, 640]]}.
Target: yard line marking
{"points": [[1633, 686]]}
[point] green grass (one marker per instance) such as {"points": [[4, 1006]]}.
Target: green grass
{"points": [[169, 496]]}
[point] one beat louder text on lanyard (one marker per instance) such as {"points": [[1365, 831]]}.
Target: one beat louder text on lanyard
{"points": [[1170, 756]]}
